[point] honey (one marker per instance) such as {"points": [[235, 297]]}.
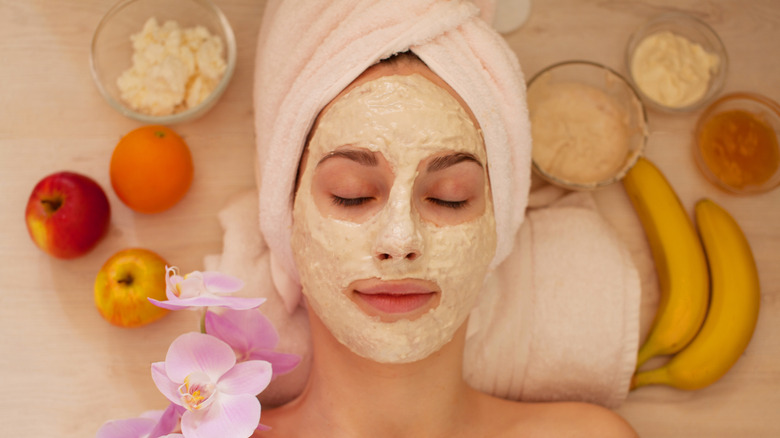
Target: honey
{"points": [[739, 148]]}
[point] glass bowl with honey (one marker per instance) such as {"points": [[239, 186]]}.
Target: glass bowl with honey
{"points": [[736, 145]]}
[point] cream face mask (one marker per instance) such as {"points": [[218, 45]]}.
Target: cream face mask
{"points": [[390, 269]]}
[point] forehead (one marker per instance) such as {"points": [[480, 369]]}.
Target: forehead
{"points": [[406, 117], [408, 65]]}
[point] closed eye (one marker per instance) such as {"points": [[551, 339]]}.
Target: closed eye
{"points": [[350, 202], [447, 204]]}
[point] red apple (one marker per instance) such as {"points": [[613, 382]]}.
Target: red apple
{"points": [[67, 214], [124, 283]]}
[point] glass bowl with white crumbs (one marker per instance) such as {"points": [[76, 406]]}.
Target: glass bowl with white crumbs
{"points": [[163, 62]]}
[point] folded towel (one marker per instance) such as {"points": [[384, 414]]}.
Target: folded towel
{"points": [[558, 319]]}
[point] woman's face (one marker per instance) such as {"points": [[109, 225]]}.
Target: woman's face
{"points": [[393, 226]]}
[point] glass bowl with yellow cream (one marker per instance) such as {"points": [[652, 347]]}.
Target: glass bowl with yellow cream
{"points": [[736, 145], [163, 62], [676, 62], [587, 123]]}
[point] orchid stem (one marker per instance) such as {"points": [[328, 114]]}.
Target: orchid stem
{"points": [[203, 320]]}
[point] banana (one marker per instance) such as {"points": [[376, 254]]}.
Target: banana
{"points": [[733, 313], [679, 259]]}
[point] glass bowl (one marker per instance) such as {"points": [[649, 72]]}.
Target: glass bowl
{"points": [[112, 54], [736, 143], [673, 74], [588, 125]]}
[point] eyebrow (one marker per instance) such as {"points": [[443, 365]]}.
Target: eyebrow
{"points": [[365, 158], [445, 161]]}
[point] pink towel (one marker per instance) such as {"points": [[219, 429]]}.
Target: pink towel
{"points": [[559, 316], [559, 319]]}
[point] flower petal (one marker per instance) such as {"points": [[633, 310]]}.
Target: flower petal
{"points": [[172, 278], [282, 363], [238, 303], [167, 387], [154, 415], [258, 329], [126, 428], [228, 327], [192, 286], [229, 416], [193, 352], [250, 377], [167, 421], [219, 283]]}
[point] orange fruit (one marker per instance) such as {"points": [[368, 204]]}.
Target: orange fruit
{"points": [[151, 169]]}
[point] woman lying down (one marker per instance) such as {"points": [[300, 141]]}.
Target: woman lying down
{"points": [[400, 197]]}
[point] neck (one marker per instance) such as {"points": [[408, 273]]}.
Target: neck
{"points": [[348, 395]]}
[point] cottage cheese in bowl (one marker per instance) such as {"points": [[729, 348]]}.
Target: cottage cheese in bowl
{"points": [[173, 68], [163, 62]]}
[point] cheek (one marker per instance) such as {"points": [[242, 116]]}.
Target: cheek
{"points": [[456, 250], [328, 251]]}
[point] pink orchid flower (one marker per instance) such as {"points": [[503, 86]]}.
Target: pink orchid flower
{"points": [[200, 373], [252, 336], [151, 424], [203, 289]]}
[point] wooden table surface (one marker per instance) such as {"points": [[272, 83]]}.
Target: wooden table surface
{"points": [[64, 370]]}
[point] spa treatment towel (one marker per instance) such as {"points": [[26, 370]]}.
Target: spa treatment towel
{"points": [[559, 316]]}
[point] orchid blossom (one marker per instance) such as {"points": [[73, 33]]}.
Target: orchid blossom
{"points": [[252, 337], [203, 289], [200, 373], [151, 424]]}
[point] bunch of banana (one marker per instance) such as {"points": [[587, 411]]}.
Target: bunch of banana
{"points": [[733, 311], [679, 260]]}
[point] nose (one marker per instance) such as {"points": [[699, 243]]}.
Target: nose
{"points": [[398, 237]]}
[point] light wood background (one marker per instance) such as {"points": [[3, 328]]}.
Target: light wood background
{"points": [[64, 370]]}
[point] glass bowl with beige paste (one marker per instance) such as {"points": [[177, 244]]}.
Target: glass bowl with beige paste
{"points": [[676, 62], [588, 125]]}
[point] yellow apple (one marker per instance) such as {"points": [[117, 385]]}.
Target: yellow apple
{"points": [[125, 282]]}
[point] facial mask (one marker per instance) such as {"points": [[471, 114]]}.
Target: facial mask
{"points": [[406, 118]]}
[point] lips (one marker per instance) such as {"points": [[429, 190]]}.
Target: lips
{"points": [[394, 304], [395, 298]]}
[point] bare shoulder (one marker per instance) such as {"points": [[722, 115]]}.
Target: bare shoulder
{"points": [[584, 419], [563, 419]]}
